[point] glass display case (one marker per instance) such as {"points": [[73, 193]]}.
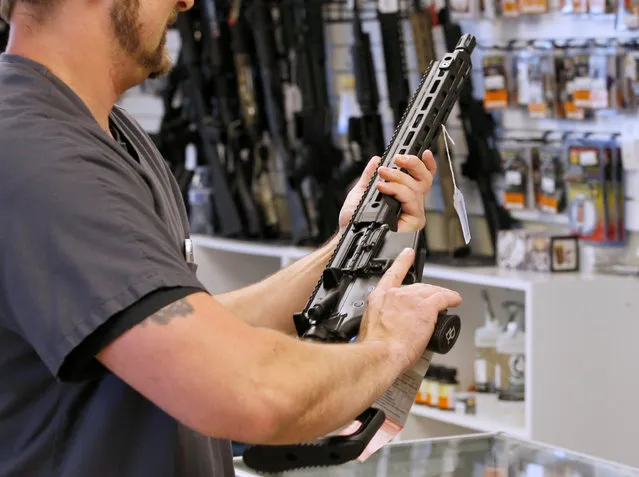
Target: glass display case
{"points": [[475, 455]]}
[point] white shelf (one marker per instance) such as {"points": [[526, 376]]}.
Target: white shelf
{"points": [[469, 421], [246, 247], [485, 276], [532, 215]]}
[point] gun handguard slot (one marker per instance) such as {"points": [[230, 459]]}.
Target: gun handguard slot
{"points": [[366, 249]]}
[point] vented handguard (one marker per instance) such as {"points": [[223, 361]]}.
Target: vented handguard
{"points": [[368, 246]]}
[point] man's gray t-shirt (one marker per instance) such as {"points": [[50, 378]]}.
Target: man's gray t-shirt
{"points": [[92, 241]]}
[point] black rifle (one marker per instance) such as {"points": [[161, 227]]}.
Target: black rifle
{"points": [[484, 160], [219, 73], [390, 24], [269, 59], [318, 157], [366, 131], [227, 218], [365, 251]]}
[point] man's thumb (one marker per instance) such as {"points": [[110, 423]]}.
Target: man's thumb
{"points": [[368, 172]]}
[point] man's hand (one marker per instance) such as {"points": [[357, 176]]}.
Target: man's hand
{"points": [[404, 317], [409, 189]]}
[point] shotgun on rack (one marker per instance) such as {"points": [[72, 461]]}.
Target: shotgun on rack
{"points": [[367, 248]]}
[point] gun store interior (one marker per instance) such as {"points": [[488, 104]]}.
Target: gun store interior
{"points": [[274, 107]]}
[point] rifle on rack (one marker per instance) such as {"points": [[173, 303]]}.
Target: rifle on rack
{"points": [[367, 248], [484, 160], [390, 24], [219, 73], [422, 27], [366, 131], [318, 158], [256, 153], [228, 222], [273, 77]]}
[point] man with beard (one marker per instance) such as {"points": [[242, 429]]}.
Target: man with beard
{"points": [[114, 359]]}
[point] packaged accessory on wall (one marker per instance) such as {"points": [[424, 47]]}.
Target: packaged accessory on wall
{"points": [[552, 188], [533, 7], [630, 80], [537, 80], [496, 81], [516, 176], [510, 8], [566, 65], [573, 6], [595, 191]]}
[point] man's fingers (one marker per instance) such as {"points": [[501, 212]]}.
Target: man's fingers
{"points": [[444, 299], [415, 167], [404, 195], [395, 274], [368, 172], [395, 175], [429, 161]]}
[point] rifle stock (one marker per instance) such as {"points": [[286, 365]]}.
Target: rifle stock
{"points": [[368, 246]]}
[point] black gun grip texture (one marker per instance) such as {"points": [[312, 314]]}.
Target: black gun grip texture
{"points": [[447, 329], [333, 450]]}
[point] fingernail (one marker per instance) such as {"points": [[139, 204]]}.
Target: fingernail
{"points": [[407, 250]]}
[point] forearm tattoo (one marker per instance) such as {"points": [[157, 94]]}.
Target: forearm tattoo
{"points": [[179, 309]]}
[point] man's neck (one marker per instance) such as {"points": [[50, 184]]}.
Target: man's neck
{"points": [[85, 66]]}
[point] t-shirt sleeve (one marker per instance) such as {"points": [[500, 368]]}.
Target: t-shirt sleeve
{"points": [[84, 243]]}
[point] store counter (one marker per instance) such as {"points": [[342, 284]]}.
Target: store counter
{"points": [[476, 455]]}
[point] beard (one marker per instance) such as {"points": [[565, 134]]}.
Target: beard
{"points": [[155, 61]]}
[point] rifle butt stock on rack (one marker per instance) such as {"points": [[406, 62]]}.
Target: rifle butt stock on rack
{"points": [[366, 249]]}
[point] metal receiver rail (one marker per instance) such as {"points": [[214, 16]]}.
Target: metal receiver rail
{"points": [[366, 249]]}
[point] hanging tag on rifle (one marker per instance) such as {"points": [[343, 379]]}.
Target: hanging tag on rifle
{"points": [[458, 197]]}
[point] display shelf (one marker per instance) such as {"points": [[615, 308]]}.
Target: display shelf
{"points": [[469, 421], [247, 247], [485, 276], [532, 215]]}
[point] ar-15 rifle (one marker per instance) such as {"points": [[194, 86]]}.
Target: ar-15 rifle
{"points": [[422, 28], [217, 67], [484, 160], [260, 18], [228, 222], [368, 246], [390, 24], [366, 131], [318, 157]]}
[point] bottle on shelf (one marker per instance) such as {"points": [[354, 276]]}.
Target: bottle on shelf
{"points": [[447, 388], [486, 349], [200, 200], [511, 355], [432, 386]]}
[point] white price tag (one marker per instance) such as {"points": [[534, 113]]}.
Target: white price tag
{"points": [[458, 198], [588, 158], [388, 6], [494, 82], [513, 178], [548, 185]]}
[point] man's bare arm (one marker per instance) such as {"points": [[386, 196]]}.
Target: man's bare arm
{"points": [[224, 378], [280, 295]]}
